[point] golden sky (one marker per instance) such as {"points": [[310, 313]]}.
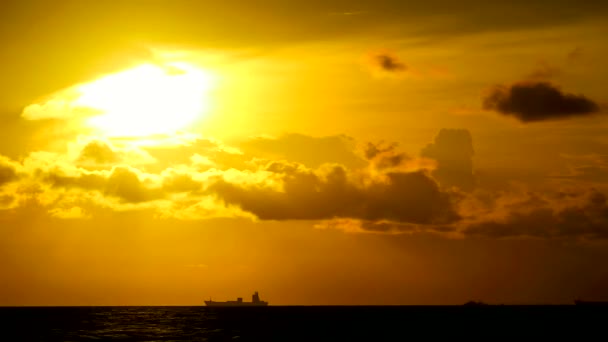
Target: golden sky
{"points": [[160, 152]]}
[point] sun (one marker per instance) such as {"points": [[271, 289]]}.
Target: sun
{"points": [[146, 100]]}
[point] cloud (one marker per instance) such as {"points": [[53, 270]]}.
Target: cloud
{"points": [[385, 64], [8, 171], [407, 197], [180, 182], [57, 108], [384, 156], [204, 153], [537, 101], [577, 214], [84, 180], [592, 173], [98, 152], [382, 227], [389, 63], [453, 151], [68, 213], [391, 194], [588, 168], [383, 198], [125, 184]]}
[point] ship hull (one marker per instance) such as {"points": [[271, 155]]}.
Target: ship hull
{"points": [[234, 304]]}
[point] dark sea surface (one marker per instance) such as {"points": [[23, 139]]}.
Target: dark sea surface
{"points": [[302, 323]]}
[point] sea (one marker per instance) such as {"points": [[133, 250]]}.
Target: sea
{"points": [[304, 323]]}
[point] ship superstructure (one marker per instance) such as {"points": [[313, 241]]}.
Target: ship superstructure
{"points": [[255, 301]]}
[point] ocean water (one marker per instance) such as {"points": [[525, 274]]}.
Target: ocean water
{"points": [[300, 323]]}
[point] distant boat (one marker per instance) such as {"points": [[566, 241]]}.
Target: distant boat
{"points": [[255, 301], [590, 303], [474, 303]]}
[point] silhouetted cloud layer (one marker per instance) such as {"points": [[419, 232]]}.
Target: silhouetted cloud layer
{"points": [[306, 195], [565, 215], [391, 193], [537, 101]]}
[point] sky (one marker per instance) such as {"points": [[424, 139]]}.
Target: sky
{"points": [[158, 152]]}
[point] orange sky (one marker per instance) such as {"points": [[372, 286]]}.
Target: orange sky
{"points": [[160, 152]]}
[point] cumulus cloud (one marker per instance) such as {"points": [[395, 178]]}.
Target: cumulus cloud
{"points": [[537, 101], [98, 152], [176, 182], [125, 184], [392, 194], [333, 193], [453, 151], [383, 190]]}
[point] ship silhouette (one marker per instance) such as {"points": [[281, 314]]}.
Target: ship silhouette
{"points": [[255, 301], [475, 303]]}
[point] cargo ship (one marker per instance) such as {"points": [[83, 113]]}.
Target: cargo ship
{"points": [[255, 301]]}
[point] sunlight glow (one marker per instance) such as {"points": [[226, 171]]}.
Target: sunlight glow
{"points": [[147, 100]]}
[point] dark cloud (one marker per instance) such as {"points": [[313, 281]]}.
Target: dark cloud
{"points": [[453, 151], [397, 227], [587, 219], [8, 173], [122, 183], [126, 185], [537, 101], [591, 168], [401, 197], [90, 181], [180, 183], [384, 156], [388, 62]]}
